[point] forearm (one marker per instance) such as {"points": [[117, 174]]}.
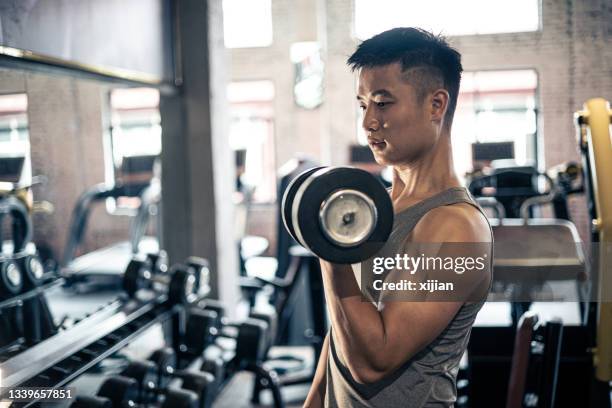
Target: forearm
{"points": [[358, 327], [316, 395]]}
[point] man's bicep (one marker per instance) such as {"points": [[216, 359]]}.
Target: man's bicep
{"points": [[411, 326]]}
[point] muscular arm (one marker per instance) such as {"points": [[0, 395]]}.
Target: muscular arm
{"points": [[316, 395], [375, 343]]}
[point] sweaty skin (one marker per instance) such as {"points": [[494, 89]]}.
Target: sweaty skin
{"points": [[411, 136]]}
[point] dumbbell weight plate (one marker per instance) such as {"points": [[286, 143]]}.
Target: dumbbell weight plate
{"points": [[342, 214], [201, 383], [215, 367], [165, 360], [201, 271], [288, 197], [201, 327], [121, 391], [136, 274], [339, 220], [10, 278], [252, 341], [158, 261], [182, 288], [180, 399], [32, 269], [91, 402], [146, 375]]}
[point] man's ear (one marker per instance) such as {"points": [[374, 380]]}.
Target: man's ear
{"points": [[439, 104]]}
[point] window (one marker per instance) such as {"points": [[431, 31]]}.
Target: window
{"points": [[252, 132], [247, 23], [14, 139], [308, 78], [449, 17], [496, 106], [135, 139]]}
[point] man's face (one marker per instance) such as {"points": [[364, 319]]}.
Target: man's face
{"points": [[398, 127]]}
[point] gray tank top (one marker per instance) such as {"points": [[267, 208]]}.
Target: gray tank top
{"points": [[428, 379]]}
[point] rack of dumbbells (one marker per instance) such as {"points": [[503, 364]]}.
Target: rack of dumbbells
{"points": [[206, 350], [25, 318], [36, 351], [153, 294]]}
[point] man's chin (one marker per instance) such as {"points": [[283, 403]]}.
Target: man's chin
{"points": [[384, 157]]}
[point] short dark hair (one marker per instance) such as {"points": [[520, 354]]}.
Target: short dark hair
{"points": [[427, 59]]}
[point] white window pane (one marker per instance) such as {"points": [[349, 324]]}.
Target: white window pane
{"points": [[251, 129], [495, 106], [457, 17], [250, 91], [247, 23], [14, 138]]}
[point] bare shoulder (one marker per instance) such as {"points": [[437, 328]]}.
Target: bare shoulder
{"points": [[459, 222]]}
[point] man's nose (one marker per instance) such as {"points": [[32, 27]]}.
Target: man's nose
{"points": [[370, 122]]}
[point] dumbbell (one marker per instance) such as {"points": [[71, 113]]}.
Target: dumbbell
{"points": [[121, 392], [179, 281], [341, 214], [202, 327], [158, 261], [11, 281], [164, 364], [269, 316], [91, 402], [216, 367], [201, 271], [32, 270]]}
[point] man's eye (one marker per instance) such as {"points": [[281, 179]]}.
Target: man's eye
{"points": [[381, 104]]}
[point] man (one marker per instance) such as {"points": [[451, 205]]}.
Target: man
{"points": [[405, 353]]}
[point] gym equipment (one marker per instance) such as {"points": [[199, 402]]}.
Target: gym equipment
{"points": [[202, 326], [593, 125], [32, 270], [166, 365], [525, 362], [215, 367], [179, 282], [201, 271], [122, 391], [249, 355], [342, 214], [11, 281], [288, 197], [103, 268], [158, 261], [91, 402], [15, 206], [584, 368], [510, 185], [151, 385]]}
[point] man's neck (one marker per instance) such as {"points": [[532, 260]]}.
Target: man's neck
{"points": [[429, 175]]}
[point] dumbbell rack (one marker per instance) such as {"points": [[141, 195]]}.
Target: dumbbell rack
{"points": [[18, 301], [58, 360]]}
